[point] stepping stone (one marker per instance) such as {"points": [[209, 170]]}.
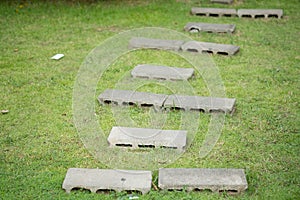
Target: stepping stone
{"points": [[214, 12], [206, 27], [147, 138], [206, 47], [216, 180], [162, 72], [222, 1], [202, 104], [149, 43], [255, 13], [97, 180], [127, 97]]}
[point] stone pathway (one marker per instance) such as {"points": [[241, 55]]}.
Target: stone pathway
{"points": [[147, 138], [207, 27], [253, 13], [216, 180], [162, 72], [177, 45], [97, 180]]}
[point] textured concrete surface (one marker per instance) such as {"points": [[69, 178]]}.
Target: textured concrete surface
{"points": [[216, 180], [260, 13], [149, 43], [127, 97], [162, 72], [106, 179], [214, 12], [206, 27], [202, 104], [192, 46], [207, 47], [147, 138], [222, 1]]}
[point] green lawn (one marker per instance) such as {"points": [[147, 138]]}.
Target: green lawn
{"points": [[38, 137]]}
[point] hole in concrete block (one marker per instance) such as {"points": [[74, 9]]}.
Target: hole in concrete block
{"points": [[133, 192], [105, 191], [175, 190], [146, 105], [213, 15], [128, 104], [259, 16], [198, 110], [107, 101], [201, 190], [123, 145], [194, 30], [78, 189], [249, 16], [273, 16], [201, 14], [207, 51], [193, 50], [146, 146], [229, 191], [216, 111], [178, 108], [159, 78], [168, 147], [222, 53]]}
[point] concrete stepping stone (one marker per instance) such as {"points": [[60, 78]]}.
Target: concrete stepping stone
{"points": [[162, 72], [207, 47], [192, 46], [97, 180], [255, 13], [149, 43], [198, 103], [206, 27], [147, 138], [214, 12], [216, 180], [127, 97], [222, 1]]}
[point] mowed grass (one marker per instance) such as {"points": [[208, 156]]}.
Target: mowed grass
{"points": [[38, 138]]}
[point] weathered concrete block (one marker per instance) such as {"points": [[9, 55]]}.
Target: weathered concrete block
{"points": [[127, 97], [107, 179], [215, 12], [222, 1], [206, 27], [202, 104], [149, 43], [147, 138], [255, 13], [162, 72], [216, 180], [207, 47]]}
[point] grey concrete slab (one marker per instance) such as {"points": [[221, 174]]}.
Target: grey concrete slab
{"points": [[216, 180], [147, 138], [219, 12], [222, 1], [150, 43], [162, 72], [127, 97], [198, 103], [107, 179], [207, 27], [207, 47], [254, 13]]}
